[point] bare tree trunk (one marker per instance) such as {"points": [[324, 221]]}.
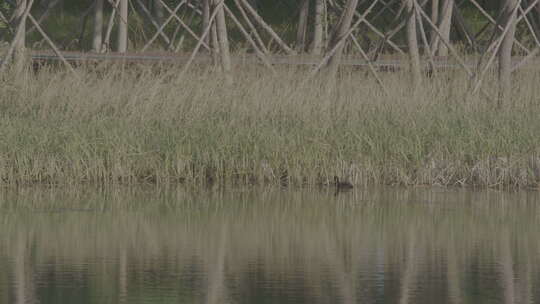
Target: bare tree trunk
{"points": [[223, 39], [302, 26], [158, 11], [19, 54], [508, 14], [123, 27], [206, 18], [250, 40], [412, 43], [50, 5], [258, 19], [318, 28], [532, 20], [97, 39], [464, 29], [252, 28], [445, 24], [434, 18], [110, 24], [199, 42], [214, 46], [341, 30]]}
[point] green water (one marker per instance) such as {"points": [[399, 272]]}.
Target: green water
{"points": [[268, 245]]}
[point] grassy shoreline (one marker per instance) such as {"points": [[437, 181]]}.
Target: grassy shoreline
{"points": [[119, 125]]}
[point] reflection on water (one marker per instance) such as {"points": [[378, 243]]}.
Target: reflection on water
{"points": [[268, 246]]}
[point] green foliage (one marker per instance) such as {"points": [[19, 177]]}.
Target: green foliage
{"points": [[6, 11], [65, 21]]}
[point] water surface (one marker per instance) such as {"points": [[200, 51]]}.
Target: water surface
{"points": [[268, 245]]}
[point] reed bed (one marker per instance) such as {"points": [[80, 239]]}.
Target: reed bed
{"points": [[130, 124]]}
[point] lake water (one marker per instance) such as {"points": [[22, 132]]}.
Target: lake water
{"points": [[268, 245]]}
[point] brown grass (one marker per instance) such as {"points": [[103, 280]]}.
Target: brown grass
{"points": [[126, 125]]}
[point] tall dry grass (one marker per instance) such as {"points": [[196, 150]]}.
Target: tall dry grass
{"points": [[130, 124]]}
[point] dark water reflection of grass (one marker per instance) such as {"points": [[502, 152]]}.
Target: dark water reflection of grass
{"points": [[268, 245]]}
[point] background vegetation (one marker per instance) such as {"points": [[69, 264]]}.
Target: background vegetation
{"points": [[70, 22], [138, 124]]}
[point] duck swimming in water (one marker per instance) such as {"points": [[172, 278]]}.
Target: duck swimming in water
{"points": [[342, 185]]}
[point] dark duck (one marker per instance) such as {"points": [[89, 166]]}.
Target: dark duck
{"points": [[342, 185]]}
